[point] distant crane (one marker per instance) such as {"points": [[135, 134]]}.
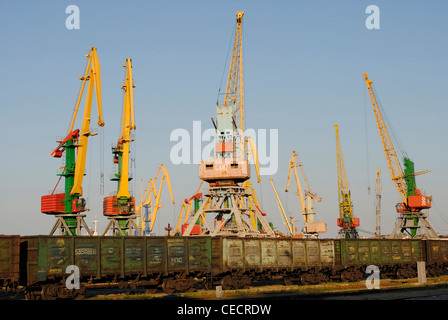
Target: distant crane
{"points": [[378, 203], [190, 206], [68, 205], [346, 221], [289, 226], [311, 228], [152, 201], [143, 210], [411, 219]]}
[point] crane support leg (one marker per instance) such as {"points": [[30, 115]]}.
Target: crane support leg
{"points": [[122, 226], [413, 224], [61, 224], [230, 207]]}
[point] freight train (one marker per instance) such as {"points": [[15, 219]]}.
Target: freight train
{"points": [[62, 267]]}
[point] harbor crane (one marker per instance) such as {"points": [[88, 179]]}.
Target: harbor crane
{"points": [[311, 227], [411, 221], [120, 208], [143, 211], [227, 201], [290, 226], [346, 221], [378, 203], [67, 206], [151, 201]]}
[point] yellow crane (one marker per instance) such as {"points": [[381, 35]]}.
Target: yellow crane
{"points": [[290, 227], [410, 219], [346, 220], [121, 207], [93, 75], [312, 228], [151, 201], [190, 206], [158, 205], [67, 205], [378, 203]]}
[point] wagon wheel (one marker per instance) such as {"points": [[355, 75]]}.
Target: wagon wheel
{"points": [[304, 279], [180, 285], [227, 283], [400, 273], [245, 281], [321, 277], [345, 275], [49, 292], [169, 286], [191, 284], [358, 276]]}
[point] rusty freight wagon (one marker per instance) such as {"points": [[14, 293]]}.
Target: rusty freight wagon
{"points": [[393, 257], [152, 262], [436, 256], [9, 262], [236, 262]]}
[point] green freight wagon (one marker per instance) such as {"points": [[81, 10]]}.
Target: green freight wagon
{"points": [[236, 262], [9, 262], [393, 257], [170, 263], [436, 256]]}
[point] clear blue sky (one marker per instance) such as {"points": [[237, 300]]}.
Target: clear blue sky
{"points": [[303, 65]]}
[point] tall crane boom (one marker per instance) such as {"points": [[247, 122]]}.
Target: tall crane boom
{"points": [[235, 86], [346, 220], [122, 149], [94, 78], [393, 162]]}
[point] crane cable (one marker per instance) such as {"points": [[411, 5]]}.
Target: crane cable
{"points": [[366, 137], [392, 131], [232, 35]]}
